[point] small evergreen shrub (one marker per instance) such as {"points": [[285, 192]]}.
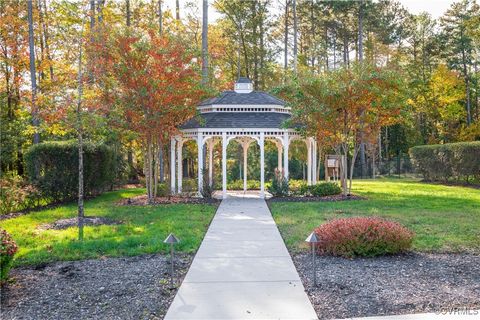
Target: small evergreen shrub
{"points": [[323, 189], [207, 189], [445, 161], [8, 248], [298, 187], [279, 185], [163, 189], [52, 168], [363, 236]]}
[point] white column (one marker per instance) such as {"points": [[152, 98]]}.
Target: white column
{"points": [[210, 145], [224, 165], [285, 154], [314, 161], [262, 165], [200, 162], [245, 167], [279, 156], [309, 161], [172, 165], [180, 165]]}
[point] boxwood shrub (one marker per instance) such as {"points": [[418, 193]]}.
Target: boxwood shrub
{"points": [[362, 236], [323, 189], [445, 161], [52, 168]]}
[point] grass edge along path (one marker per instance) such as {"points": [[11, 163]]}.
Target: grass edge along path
{"points": [[142, 231], [444, 218]]}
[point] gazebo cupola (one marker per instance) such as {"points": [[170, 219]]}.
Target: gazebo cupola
{"points": [[247, 116]]}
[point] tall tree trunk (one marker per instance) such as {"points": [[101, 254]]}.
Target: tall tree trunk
{"points": [[295, 36], [360, 32], [80, 138], [285, 52], [467, 83], [127, 9], [262, 50], [47, 37], [177, 10], [205, 43], [41, 73], [160, 17], [33, 76], [363, 158]]}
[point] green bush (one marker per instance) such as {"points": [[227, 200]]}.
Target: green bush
{"points": [[238, 185], [8, 248], [163, 189], [53, 168], [445, 161], [325, 189], [279, 185], [298, 187]]}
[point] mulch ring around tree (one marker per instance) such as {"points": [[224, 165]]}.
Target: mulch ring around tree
{"points": [[73, 222], [391, 285], [334, 198], [106, 288], [143, 201]]}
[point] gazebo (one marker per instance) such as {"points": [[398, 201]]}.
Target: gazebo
{"points": [[244, 115]]}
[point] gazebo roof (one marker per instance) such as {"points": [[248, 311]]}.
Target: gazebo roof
{"points": [[240, 108], [235, 98], [237, 120]]}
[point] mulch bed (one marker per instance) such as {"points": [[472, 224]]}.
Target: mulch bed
{"points": [[143, 200], [391, 285], [338, 197], [109, 288], [73, 222]]}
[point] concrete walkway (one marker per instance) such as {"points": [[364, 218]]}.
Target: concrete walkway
{"points": [[242, 269]]}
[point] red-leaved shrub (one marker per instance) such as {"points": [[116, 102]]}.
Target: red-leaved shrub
{"points": [[8, 248], [362, 236]]}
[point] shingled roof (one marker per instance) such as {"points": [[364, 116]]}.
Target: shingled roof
{"points": [[237, 120], [251, 98]]}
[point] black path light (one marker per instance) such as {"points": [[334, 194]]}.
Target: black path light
{"points": [[171, 239], [313, 240]]}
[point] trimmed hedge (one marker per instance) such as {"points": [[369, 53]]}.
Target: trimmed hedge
{"points": [[57, 165], [362, 236], [324, 189], [459, 160]]}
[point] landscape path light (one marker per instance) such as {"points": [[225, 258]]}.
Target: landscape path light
{"points": [[313, 240], [171, 239]]}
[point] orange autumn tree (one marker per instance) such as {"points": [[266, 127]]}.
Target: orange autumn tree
{"points": [[342, 106], [156, 87]]}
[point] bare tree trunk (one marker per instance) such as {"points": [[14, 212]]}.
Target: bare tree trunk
{"points": [[46, 35], [33, 76], [161, 160], [127, 9], [295, 31], [285, 57], [360, 32], [160, 17], [80, 138], [205, 43], [467, 87], [177, 10]]}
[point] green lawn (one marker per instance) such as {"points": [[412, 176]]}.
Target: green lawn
{"points": [[143, 231], [444, 218]]}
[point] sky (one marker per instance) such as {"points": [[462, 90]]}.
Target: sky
{"points": [[436, 8]]}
